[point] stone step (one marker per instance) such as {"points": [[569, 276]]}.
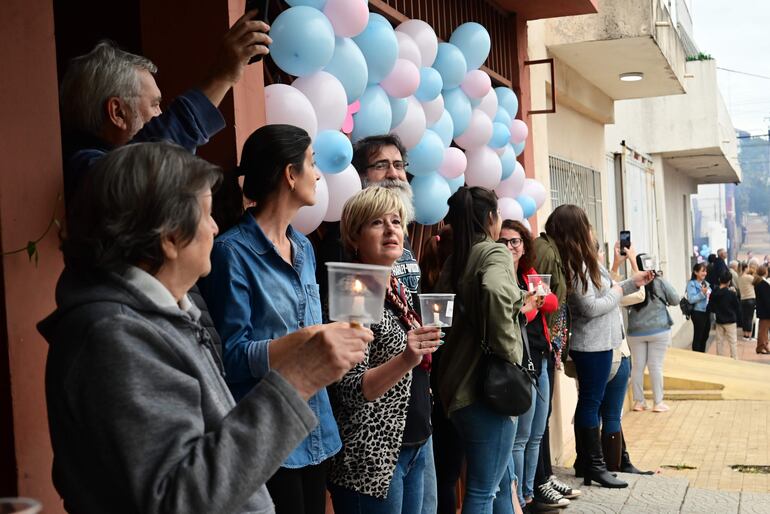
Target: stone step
{"points": [[689, 394]]}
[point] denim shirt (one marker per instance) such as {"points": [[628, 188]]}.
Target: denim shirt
{"points": [[254, 296], [696, 297]]}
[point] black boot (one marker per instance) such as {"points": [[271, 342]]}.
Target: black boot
{"points": [[625, 461], [611, 448], [596, 469], [579, 464]]}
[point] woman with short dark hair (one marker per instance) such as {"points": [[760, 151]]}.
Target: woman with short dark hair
{"points": [[697, 293]]}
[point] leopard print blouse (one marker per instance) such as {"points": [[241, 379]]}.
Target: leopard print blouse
{"points": [[371, 432]]}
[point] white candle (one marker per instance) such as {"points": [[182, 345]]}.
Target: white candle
{"points": [[358, 309], [436, 315]]}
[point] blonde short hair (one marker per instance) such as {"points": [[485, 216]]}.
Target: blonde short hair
{"points": [[365, 206]]}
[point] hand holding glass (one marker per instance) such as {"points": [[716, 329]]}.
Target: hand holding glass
{"points": [[437, 309], [539, 285]]}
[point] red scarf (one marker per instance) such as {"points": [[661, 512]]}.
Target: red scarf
{"points": [[396, 296]]}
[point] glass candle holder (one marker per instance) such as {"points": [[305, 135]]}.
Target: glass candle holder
{"points": [[436, 310], [539, 285], [19, 506], [357, 292]]}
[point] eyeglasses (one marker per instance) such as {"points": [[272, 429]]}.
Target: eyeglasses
{"points": [[384, 165], [513, 242]]}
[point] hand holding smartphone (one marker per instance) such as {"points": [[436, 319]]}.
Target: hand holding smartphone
{"points": [[625, 241], [261, 6]]}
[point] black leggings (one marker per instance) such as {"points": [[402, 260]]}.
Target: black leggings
{"points": [[300, 490], [701, 328], [747, 314]]}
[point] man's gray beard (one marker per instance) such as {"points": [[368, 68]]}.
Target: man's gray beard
{"points": [[404, 190]]}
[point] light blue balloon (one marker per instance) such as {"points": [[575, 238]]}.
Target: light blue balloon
{"points": [[503, 117], [506, 99], [528, 205], [398, 106], [459, 107], [500, 135], [508, 161], [333, 151], [431, 193], [317, 4], [375, 115], [455, 183], [450, 63], [445, 128], [349, 67], [474, 42], [303, 41], [518, 148], [475, 102], [426, 157], [431, 85], [379, 45]]}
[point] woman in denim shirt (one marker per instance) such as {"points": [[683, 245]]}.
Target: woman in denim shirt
{"points": [[698, 292], [264, 298]]}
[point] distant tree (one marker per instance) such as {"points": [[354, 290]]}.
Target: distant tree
{"points": [[753, 193]]}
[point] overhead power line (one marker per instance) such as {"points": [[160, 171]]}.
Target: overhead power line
{"points": [[744, 73]]}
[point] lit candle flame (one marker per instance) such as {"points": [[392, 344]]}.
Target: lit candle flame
{"points": [[436, 307], [358, 287]]}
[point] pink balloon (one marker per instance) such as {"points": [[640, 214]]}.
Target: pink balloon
{"points": [[476, 84], [513, 185], [412, 127], [478, 133], [519, 131], [484, 168], [454, 163], [287, 105], [534, 190], [403, 81], [510, 209], [348, 17], [408, 49], [425, 37], [308, 218], [327, 96], [433, 110], [348, 124], [341, 186], [489, 104]]}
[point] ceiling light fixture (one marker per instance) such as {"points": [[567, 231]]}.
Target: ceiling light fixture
{"points": [[632, 76]]}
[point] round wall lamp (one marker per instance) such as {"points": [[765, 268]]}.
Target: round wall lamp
{"points": [[632, 76]]}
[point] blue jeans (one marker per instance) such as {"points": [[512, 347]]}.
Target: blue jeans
{"points": [[529, 433], [614, 394], [404, 495], [488, 440], [429, 495], [593, 370]]}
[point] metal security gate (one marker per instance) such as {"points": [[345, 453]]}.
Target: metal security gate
{"points": [[579, 185]]}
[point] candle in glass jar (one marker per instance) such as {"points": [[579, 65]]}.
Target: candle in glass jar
{"points": [[358, 309]]}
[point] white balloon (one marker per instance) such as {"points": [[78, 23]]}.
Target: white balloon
{"points": [[484, 168], [489, 104], [408, 49], [527, 226], [510, 209], [478, 133], [341, 187], [535, 190], [500, 151], [327, 96], [425, 37], [454, 163], [512, 186], [433, 110], [308, 218], [287, 105], [412, 127]]}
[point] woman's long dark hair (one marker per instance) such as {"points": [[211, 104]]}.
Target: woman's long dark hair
{"points": [[698, 267], [435, 252], [469, 210], [568, 227]]}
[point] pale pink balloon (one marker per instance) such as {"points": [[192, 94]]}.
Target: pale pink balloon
{"points": [[348, 17], [412, 127], [425, 37], [527, 225], [510, 209], [519, 131], [341, 186], [534, 190], [476, 84], [349, 123], [287, 105], [489, 104], [403, 81], [433, 110], [309, 217], [484, 168], [454, 163], [478, 133], [513, 185], [408, 49], [327, 96]]}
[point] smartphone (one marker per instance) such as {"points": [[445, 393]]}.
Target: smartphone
{"points": [[261, 6], [625, 241]]}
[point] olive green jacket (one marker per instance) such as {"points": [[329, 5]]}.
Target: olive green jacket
{"points": [[548, 262], [486, 307]]}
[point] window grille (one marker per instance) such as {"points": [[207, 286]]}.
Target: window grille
{"points": [[579, 185]]}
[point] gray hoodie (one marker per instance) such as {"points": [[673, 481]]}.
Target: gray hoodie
{"points": [[141, 419]]}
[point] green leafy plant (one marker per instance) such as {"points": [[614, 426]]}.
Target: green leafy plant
{"points": [[700, 57], [31, 247]]}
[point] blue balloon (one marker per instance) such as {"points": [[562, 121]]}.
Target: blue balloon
{"points": [[474, 42], [518, 148], [426, 156], [503, 117], [379, 45], [349, 67], [500, 135], [506, 99], [375, 115], [303, 41], [459, 108], [445, 128], [333, 151], [508, 161], [431, 85], [317, 4], [450, 63], [528, 205], [398, 106], [431, 193], [455, 183]]}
